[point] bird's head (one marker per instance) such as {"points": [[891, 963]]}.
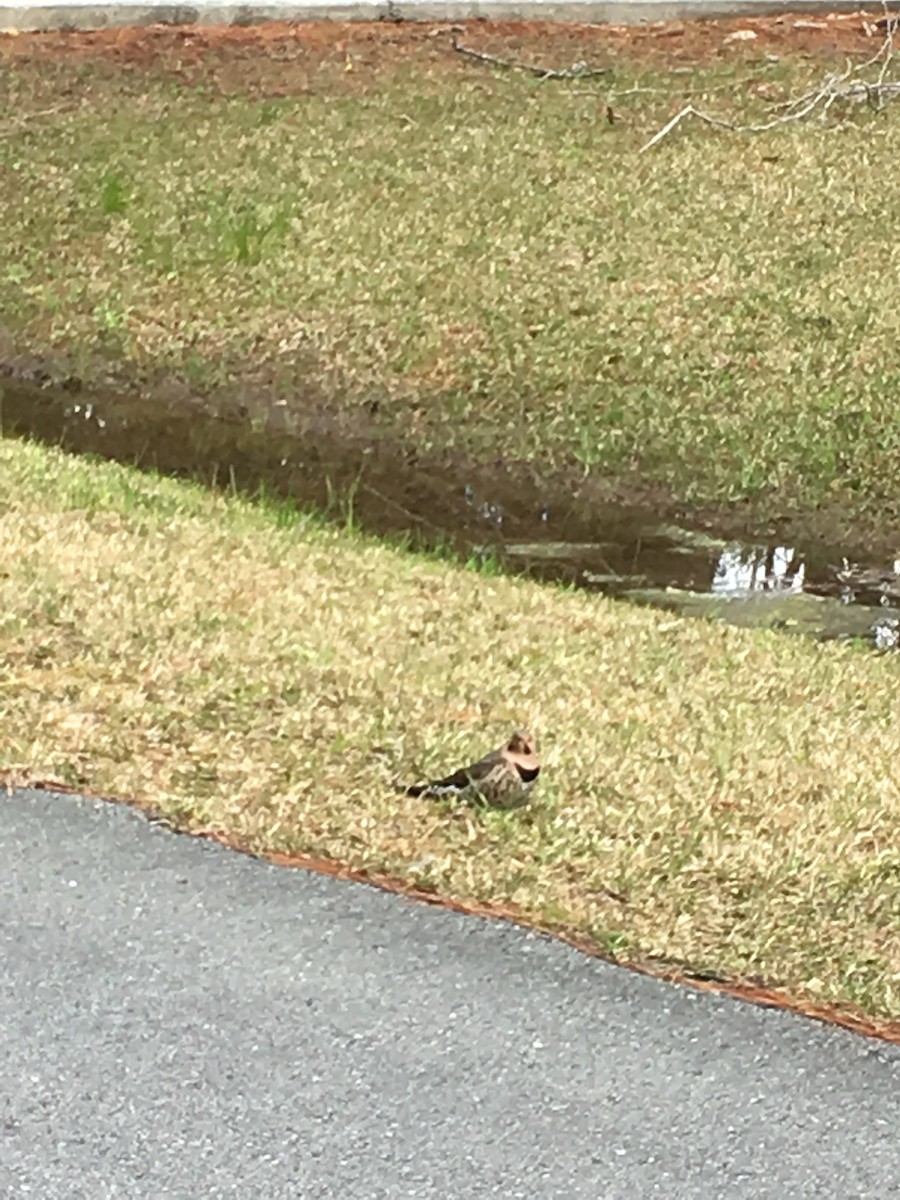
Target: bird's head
{"points": [[522, 742]]}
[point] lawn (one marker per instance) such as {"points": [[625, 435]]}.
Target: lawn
{"points": [[713, 799], [367, 226], [361, 229]]}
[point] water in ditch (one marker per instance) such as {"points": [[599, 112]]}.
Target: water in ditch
{"points": [[484, 511]]}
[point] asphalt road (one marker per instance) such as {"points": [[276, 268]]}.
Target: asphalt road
{"points": [[180, 1021]]}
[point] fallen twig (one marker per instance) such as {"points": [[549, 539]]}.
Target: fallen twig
{"points": [[25, 118], [849, 85], [579, 70]]}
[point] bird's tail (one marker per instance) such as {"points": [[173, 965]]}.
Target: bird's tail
{"points": [[417, 789]]}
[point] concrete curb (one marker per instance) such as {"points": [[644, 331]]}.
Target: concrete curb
{"points": [[85, 14]]}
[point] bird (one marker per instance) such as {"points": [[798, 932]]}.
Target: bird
{"points": [[502, 779]]}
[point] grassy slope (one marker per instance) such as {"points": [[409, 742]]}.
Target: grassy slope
{"points": [[484, 254], [246, 669]]}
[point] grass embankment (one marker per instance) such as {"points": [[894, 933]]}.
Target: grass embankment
{"points": [[712, 797], [337, 219]]}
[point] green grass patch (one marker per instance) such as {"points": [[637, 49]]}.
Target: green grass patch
{"points": [[485, 255], [715, 797]]}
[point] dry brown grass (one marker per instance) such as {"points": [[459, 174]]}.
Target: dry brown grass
{"points": [[714, 797]]}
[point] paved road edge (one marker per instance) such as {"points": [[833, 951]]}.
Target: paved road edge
{"points": [[853, 1020]]}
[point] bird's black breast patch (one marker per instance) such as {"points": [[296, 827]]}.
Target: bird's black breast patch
{"points": [[528, 774]]}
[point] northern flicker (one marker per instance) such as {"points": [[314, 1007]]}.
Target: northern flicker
{"points": [[502, 779]]}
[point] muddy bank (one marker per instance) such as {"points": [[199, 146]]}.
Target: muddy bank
{"points": [[547, 530]]}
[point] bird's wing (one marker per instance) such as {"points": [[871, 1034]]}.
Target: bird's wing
{"points": [[471, 775]]}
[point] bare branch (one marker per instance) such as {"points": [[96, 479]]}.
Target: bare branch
{"points": [[17, 122], [849, 85], [579, 70]]}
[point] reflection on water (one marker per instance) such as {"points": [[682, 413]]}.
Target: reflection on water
{"points": [[486, 509], [887, 633], [758, 569], [528, 527], [772, 586]]}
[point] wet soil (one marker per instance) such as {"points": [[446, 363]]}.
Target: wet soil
{"points": [[545, 529]]}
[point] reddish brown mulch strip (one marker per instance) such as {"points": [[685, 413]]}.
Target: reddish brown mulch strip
{"points": [[377, 45], [844, 1016]]}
